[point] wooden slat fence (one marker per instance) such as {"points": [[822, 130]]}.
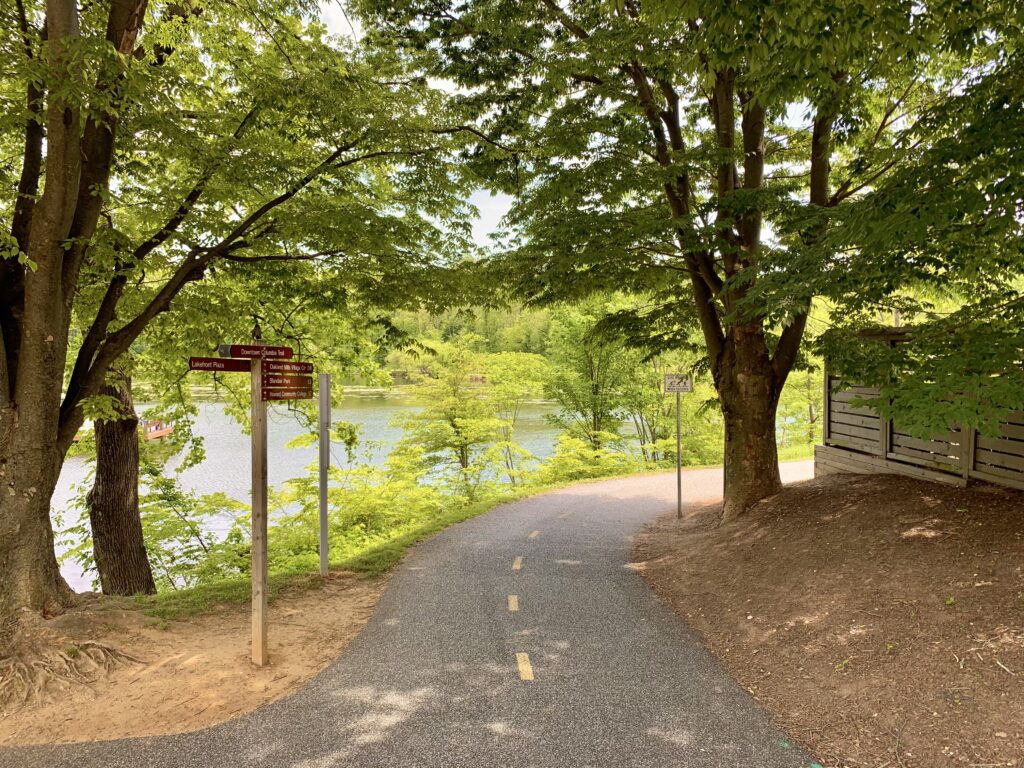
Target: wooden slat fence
{"points": [[857, 440]]}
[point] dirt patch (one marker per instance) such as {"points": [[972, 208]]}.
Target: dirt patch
{"points": [[195, 672], [879, 619]]}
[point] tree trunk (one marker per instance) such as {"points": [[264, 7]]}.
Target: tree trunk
{"points": [[748, 391], [29, 468], [113, 502]]}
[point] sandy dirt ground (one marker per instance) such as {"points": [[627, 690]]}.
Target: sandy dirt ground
{"points": [[879, 619], [194, 673]]}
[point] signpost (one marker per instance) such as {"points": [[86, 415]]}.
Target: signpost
{"points": [[259, 514], [678, 383], [276, 366], [286, 393], [287, 380], [274, 376], [325, 462], [259, 351]]}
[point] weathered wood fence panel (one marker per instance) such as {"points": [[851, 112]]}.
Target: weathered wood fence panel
{"points": [[856, 439]]}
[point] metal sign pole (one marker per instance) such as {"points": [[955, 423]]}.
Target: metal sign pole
{"points": [[679, 383], [325, 462], [259, 516], [679, 460]]}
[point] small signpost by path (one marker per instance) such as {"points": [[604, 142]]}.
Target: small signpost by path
{"points": [[679, 383], [274, 376]]}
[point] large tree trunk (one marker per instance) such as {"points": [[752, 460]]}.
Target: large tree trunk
{"points": [[748, 391], [32, 358], [113, 502], [29, 467]]}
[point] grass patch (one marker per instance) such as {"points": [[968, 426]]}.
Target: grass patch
{"points": [[373, 561], [796, 452]]}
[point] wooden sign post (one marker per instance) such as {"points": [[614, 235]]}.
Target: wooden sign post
{"points": [[678, 383], [273, 376], [259, 517]]}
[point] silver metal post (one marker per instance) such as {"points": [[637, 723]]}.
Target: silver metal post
{"points": [[325, 462], [679, 459]]}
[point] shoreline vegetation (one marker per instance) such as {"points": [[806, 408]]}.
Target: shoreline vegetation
{"points": [[459, 446]]}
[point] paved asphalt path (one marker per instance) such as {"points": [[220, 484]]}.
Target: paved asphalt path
{"points": [[434, 679]]}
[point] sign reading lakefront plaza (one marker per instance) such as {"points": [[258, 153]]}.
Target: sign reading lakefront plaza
{"points": [[219, 364]]}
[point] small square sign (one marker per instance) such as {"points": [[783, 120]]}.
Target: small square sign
{"points": [[678, 382]]}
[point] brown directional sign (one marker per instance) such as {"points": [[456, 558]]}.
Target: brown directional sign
{"points": [[218, 364], [274, 366], [287, 393], [253, 350], [289, 382]]}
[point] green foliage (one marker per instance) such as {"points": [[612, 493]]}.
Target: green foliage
{"points": [[456, 429], [731, 162], [576, 459], [800, 408], [469, 404], [176, 528]]}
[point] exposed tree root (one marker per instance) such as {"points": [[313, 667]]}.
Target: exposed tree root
{"points": [[29, 670]]}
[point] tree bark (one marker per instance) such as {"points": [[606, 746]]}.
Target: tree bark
{"points": [[29, 468], [113, 501], [748, 391]]}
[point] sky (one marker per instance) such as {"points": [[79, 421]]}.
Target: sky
{"points": [[491, 207]]}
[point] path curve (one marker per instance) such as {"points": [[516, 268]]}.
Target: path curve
{"points": [[435, 678]]}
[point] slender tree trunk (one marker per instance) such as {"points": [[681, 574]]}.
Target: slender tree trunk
{"points": [[113, 502], [812, 416], [748, 391]]}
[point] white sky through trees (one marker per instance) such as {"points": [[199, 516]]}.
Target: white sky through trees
{"points": [[491, 207]]}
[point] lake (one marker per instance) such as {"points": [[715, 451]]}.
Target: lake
{"points": [[227, 468]]}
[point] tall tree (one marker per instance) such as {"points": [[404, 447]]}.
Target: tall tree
{"points": [[590, 374], [222, 135], [676, 149], [113, 502]]}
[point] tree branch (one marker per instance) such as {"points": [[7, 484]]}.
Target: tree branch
{"points": [[565, 20], [192, 268], [479, 134], [193, 196], [821, 148], [124, 22]]}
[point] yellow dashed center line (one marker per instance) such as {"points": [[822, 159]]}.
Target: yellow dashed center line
{"points": [[533, 534], [517, 563], [525, 668], [564, 514], [513, 602]]}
